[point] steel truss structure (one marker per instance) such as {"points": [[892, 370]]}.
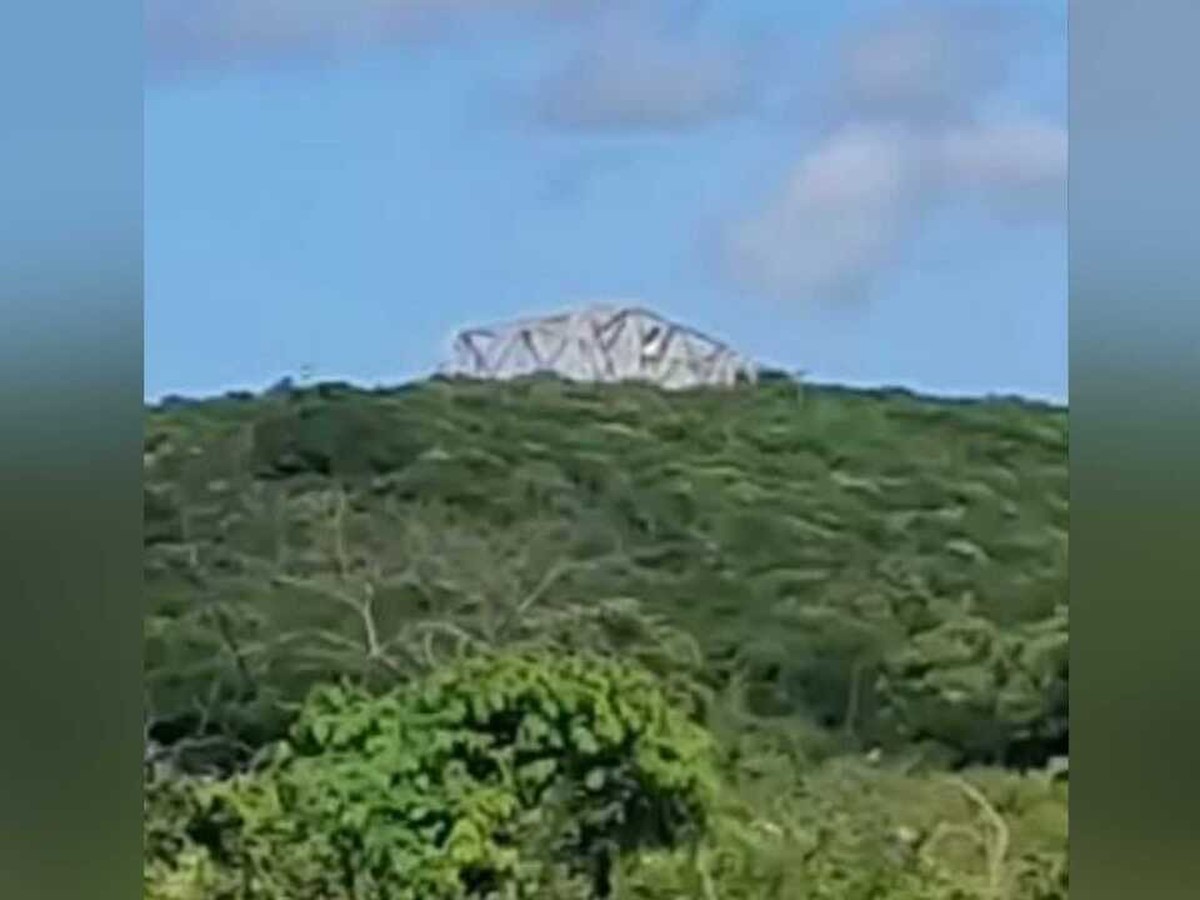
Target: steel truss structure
{"points": [[599, 344]]}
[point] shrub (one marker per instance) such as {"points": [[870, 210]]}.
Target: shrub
{"points": [[341, 440], [489, 778], [847, 831], [984, 691]]}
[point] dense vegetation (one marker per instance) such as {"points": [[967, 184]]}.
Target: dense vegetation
{"points": [[796, 642]]}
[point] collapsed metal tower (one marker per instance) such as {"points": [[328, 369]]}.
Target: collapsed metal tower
{"points": [[599, 343]]}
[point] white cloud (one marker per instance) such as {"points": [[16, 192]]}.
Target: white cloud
{"points": [[1016, 165], [838, 219], [907, 141]]}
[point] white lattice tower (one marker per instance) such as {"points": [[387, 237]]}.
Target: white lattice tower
{"points": [[601, 343]]}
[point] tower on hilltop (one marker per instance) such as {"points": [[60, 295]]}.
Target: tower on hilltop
{"points": [[599, 343]]}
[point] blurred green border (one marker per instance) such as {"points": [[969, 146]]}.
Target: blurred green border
{"points": [[1135, 440], [70, 450]]}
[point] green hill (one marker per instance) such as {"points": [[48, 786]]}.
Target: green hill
{"points": [[815, 539], [817, 571]]}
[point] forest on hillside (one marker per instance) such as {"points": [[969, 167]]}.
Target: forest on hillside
{"points": [[461, 639]]}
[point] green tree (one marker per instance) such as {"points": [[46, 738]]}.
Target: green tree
{"points": [[488, 778]]}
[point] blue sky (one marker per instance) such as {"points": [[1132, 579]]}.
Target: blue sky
{"points": [[870, 192]]}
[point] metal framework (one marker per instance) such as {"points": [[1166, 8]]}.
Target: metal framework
{"points": [[599, 343]]}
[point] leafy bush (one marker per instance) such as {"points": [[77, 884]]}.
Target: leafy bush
{"points": [[969, 685], [488, 778], [185, 828], [849, 831]]}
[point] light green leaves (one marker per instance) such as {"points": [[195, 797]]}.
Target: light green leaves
{"points": [[477, 780]]}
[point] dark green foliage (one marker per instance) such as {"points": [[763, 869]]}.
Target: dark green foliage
{"points": [[330, 439], [983, 689], [484, 779], [814, 539]]}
